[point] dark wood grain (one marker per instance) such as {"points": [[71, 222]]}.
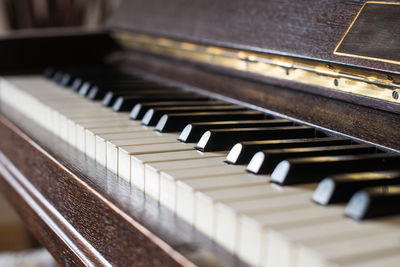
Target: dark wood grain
{"points": [[33, 50], [303, 28], [337, 113], [42, 231], [375, 33]]}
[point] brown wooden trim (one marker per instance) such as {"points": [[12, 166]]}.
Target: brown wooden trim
{"points": [[41, 230]]}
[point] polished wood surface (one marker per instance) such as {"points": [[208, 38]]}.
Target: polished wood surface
{"points": [[374, 33], [305, 28], [33, 50], [86, 215]]}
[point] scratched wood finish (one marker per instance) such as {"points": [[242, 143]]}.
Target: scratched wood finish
{"points": [[335, 112], [302, 28], [81, 191]]}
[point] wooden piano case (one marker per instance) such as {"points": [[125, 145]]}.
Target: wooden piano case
{"points": [[86, 215]]}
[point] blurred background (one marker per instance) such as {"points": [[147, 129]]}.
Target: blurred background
{"points": [[29, 14], [18, 247]]}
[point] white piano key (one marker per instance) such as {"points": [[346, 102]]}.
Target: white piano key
{"points": [[387, 258], [208, 200], [255, 230], [125, 152], [90, 136], [185, 199], [109, 143], [138, 161], [152, 171], [101, 143], [81, 128], [205, 219], [338, 242]]}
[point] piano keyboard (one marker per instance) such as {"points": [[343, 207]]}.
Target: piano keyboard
{"points": [[243, 178]]}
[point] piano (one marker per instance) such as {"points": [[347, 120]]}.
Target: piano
{"points": [[208, 133]]}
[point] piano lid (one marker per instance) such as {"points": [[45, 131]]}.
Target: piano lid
{"points": [[311, 29]]}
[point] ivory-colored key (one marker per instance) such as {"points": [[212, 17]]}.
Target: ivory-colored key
{"points": [[338, 242], [134, 138], [124, 154], [185, 194], [81, 128], [387, 258], [205, 219], [138, 161], [168, 189], [352, 250], [101, 143], [254, 228], [64, 122], [152, 171], [226, 214], [249, 220], [112, 147], [207, 201], [90, 136]]}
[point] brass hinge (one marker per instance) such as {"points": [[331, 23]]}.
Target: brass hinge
{"points": [[351, 80]]}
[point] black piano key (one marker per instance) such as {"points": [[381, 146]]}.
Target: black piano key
{"points": [[242, 153], [265, 161], [140, 109], [314, 169], [374, 202], [192, 132], [176, 122], [112, 95], [118, 87], [98, 93], [81, 82], [224, 139], [95, 93], [49, 72], [57, 76], [66, 80], [153, 115], [339, 188], [126, 103], [76, 84], [113, 83]]}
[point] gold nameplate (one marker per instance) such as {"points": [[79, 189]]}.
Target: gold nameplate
{"points": [[374, 33]]}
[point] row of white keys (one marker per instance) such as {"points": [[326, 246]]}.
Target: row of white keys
{"points": [[80, 116], [346, 242], [281, 241], [152, 171], [220, 213], [125, 153], [82, 128], [114, 147], [107, 144], [143, 164], [264, 224]]}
